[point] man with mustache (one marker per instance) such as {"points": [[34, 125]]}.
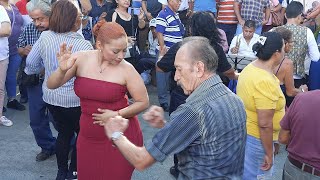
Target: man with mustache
{"points": [[39, 11]]}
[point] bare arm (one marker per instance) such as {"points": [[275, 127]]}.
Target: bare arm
{"points": [[265, 124], [138, 91], [284, 136], [288, 80], [161, 44], [237, 12], [267, 16], [139, 157], [231, 74], [5, 30], [144, 8], [314, 13]]}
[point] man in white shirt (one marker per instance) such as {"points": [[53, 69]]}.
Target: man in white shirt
{"points": [[241, 44]]}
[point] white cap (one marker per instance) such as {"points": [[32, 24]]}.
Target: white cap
{"points": [[153, 23]]}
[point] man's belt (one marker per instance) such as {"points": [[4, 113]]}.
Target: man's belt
{"points": [[304, 167]]}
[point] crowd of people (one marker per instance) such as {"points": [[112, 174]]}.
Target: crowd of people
{"points": [[83, 66]]}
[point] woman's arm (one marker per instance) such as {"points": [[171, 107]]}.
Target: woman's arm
{"points": [[265, 124], [288, 79], [66, 70], [137, 90]]}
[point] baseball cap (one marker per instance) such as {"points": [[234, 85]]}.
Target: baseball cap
{"points": [[153, 23]]}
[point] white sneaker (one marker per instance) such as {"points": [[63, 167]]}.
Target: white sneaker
{"points": [[5, 121]]}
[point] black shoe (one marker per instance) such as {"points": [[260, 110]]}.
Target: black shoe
{"points": [[72, 175], [61, 175], [23, 100], [174, 171], [4, 109], [14, 104], [165, 107], [43, 156]]}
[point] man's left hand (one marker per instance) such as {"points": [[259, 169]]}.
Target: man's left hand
{"points": [[116, 124]]}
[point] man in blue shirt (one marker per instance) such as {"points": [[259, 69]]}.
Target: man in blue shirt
{"points": [[207, 133], [170, 30]]}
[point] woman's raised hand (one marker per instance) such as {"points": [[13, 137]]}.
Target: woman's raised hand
{"points": [[66, 61]]}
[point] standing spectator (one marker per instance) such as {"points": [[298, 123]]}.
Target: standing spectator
{"points": [[63, 103], [242, 44], [226, 18], [264, 101], [209, 143], [304, 43], [252, 10], [170, 30], [203, 5], [14, 57], [184, 10], [5, 31], [39, 118], [299, 130]]}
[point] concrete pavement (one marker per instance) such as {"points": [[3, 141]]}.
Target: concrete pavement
{"points": [[18, 150]]}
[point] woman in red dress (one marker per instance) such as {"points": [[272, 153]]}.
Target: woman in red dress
{"points": [[102, 80]]}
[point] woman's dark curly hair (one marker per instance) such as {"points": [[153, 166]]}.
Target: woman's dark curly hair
{"points": [[203, 24]]}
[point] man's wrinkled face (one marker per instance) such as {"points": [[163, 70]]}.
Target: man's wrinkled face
{"points": [[186, 73], [40, 20], [248, 32]]}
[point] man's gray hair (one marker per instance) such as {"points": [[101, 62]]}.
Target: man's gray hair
{"points": [[43, 5], [200, 49]]}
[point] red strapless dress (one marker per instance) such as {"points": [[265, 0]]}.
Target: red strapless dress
{"points": [[96, 157]]}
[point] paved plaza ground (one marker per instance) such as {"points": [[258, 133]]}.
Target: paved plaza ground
{"points": [[18, 150]]}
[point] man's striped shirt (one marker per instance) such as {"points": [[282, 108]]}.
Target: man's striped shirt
{"points": [[226, 14], [169, 24]]}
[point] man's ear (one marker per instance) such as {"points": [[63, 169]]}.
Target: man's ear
{"points": [[200, 68]]}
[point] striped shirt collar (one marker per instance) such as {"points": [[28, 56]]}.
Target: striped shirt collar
{"points": [[213, 80]]}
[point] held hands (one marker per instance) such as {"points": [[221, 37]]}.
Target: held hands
{"points": [[104, 116], [154, 116], [267, 163], [64, 58], [115, 124]]}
